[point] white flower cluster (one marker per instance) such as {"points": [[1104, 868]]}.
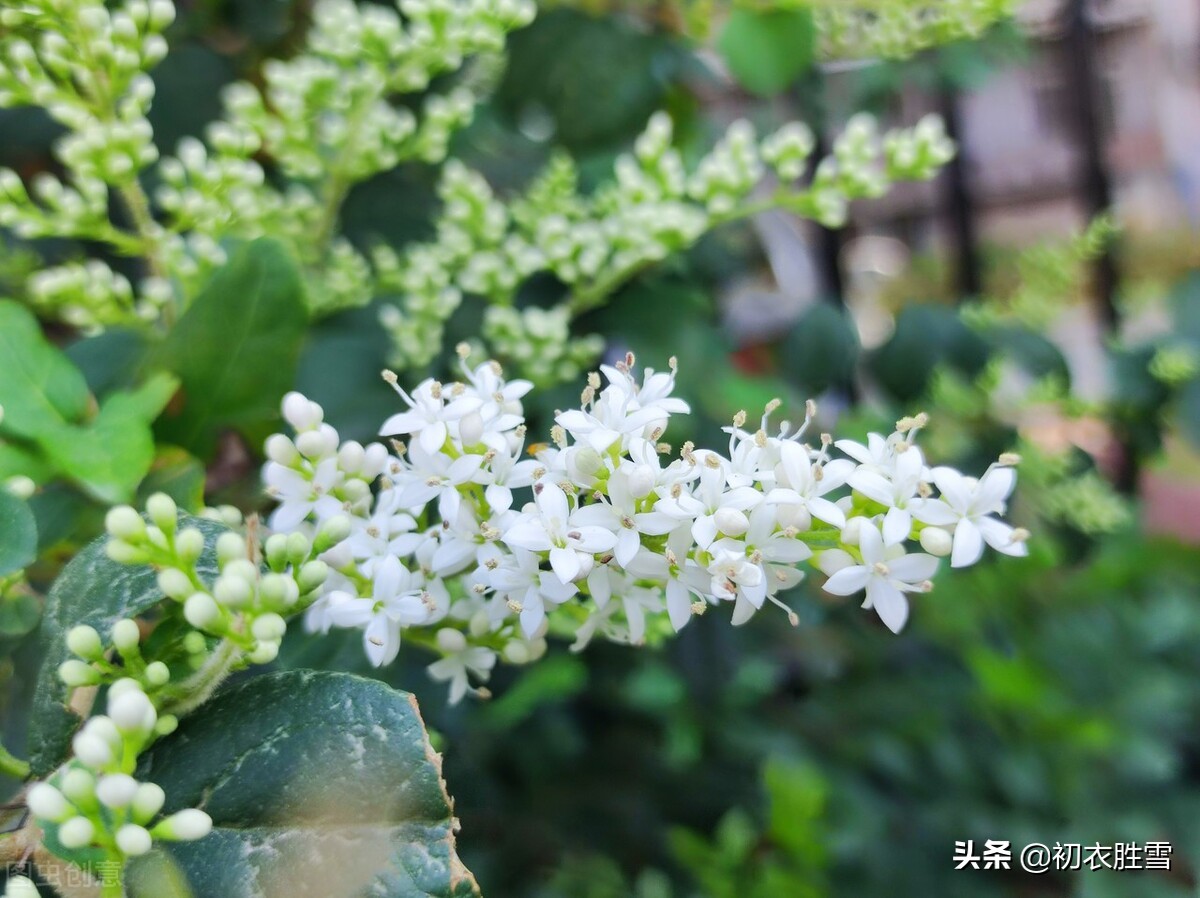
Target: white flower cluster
{"points": [[94, 801], [900, 28], [619, 537], [593, 244]]}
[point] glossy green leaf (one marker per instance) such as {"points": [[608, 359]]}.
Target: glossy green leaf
{"points": [[821, 350], [109, 457], [95, 590], [320, 785], [18, 533], [178, 474], [39, 388], [767, 51], [236, 348]]}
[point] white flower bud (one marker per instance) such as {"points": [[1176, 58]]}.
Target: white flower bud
{"points": [[795, 515], [189, 544], [123, 685], [450, 640], [281, 450], [185, 826], [332, 532], [157, 674], [936, 541], [76, 832], [232, 591], [202, 611], [312, 574], [117, 790], [79, 786], [147, 801], [124, 523], [126, 635], [731, 522], [47, 803], [351, 456], [174, 583], [20, 486], [78, 673], [133, 840], [480, 624], [264, 652], [850, 532], [641, 481], [301, 414], [312, 444], [230, 547], [163, 512], [470, 429], [132, 712], [21, 887], [516, 652], [84, 641], [269, 627], [587, 461]]}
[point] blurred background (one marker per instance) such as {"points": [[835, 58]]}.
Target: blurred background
{"points": [[1042, 295]]}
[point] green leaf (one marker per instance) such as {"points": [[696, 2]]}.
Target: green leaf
{"points": [[319, 784], [179, 475], [109, 457], [236, 348], [18, 533], [40, 388], [1189, 410], [821, 350], [767, 51], [926, 336], [95, 590]]}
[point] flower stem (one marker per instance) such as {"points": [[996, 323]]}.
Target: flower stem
{"points": [[13, 766]]}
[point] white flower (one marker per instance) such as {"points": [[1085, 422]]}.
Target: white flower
{"points": [[886, 573], [803, 483], [623, 517], [519, 580], [438, 475], [398, 599], [429, 414], [385, 533], [502, 475], [894, 487], [459, 660], [301, 493], [968, 505], [708, 497], [572, 545]]}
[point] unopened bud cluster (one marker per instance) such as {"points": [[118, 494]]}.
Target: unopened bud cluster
{"points": [[593, 243], [244, 604], [900, 28], [469, 549], [94, 801]]}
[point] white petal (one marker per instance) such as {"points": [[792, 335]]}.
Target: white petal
{"points": [[913, 568], [679, 605], [826, 511], [566, 564], [897, 524], [848, 580], [968, 544], [889, 603]]}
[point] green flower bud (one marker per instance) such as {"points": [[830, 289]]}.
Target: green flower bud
{"points": [[124, 523], [147, 802], [311, 576], [47, 803], [230, 547], [163, 512], [332, 532], [126, 635], [175, 584], [189, 544], [203, 612], [276, 551], [84, 641], [157, 674], [77, 832], [78, 673], [133, 840]]}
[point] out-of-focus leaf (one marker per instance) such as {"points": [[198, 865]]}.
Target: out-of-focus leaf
{"points": [[768, 50], [925, 337], [821, 350], [18, 533], [110, 360], [109, 457], [320, 785], [39, 388], [236, 348]]}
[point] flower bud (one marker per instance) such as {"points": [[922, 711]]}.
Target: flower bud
{"points": [[147, 801], [516, 652], [794, 515], [47, 803], [312, 444], [450, 640], [167, 724], [76, 832], [850, 532], [264, 652], [936, 541], [275, 549], [124, 553], [312, 575], [588, 461], [21, 887], [470, 429], [20, 486], [185, 826], [281, 450], [163, 512], [480, 624], [123, 685], [279, 591], [132, 712], [157, 674], [189, 544], [78, 673], [298, 548], [641, 481], [731, 522], [133, 840], [230, 547], [332, 532], [195, 644], [126, 635], [300, 413], [124, 523], [174, 584], [268, 627], [84, 641], [202, 611], [117, 790], [79, 786], [351, 456]]}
